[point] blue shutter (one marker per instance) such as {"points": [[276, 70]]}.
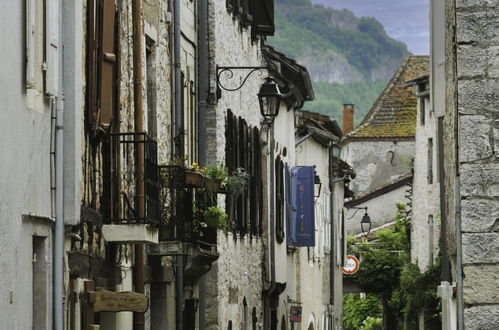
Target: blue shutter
{"points": [[302, 209]]}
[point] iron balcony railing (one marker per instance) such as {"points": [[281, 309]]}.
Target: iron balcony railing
{"points": [[183, 198], [138, 167]]}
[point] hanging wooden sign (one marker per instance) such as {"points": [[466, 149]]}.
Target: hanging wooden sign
{"points": [[108, 301]]}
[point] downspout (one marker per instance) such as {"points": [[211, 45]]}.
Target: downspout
{"points": [[179, 267], [268, 293], [445, 270], [203, 93], [459, 257], [59, 192], [138, 318]]}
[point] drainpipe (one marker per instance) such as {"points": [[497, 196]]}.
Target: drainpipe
{"points": [[445, 268], [138, 318], [459, 257], [179, 266], [273, 287], [59, 193], [203, 93]]}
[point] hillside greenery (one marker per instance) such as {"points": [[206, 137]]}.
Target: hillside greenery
{"points": [[330, 97], [302, 26]]}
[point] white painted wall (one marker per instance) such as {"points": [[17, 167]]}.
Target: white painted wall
{"points": [[426, 202], [24, 175], [381, 209], [377, 162]]}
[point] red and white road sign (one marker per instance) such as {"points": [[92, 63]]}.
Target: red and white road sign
{"points": [[351, 265]]}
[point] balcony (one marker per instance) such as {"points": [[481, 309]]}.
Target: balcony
{"points": [[184, 196], [136, 217]]}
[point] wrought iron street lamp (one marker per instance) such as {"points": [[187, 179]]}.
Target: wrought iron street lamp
{"points": [[365, 222], [269, 95], [270, 100]]}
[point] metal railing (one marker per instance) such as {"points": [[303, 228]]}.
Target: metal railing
{"points": [[134, 149]]}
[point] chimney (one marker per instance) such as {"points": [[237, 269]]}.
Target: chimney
{"points": [[348, 111]]}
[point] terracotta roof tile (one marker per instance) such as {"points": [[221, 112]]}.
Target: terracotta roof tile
{"points": [[393, 115]]}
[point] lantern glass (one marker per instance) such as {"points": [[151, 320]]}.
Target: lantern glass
{"points": [[270, 99]]}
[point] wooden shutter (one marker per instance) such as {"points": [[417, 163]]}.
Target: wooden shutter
{"points": [[263, 17], [92, 67], [52, 47], [107, 59], [30, 43]]}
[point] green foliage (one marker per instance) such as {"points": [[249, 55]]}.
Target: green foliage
{"points": [[419, 289], [372, 323], [213, 171], [356, 310], [387, 272], [365, 47], [237, 181], [330, 97], [217, 218]]}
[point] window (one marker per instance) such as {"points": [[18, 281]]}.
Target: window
{"points": [[254, 319], [422, 111], [245, 315], [101, 64], [40, 284], [151, 87], [279, 199], [430, 238], [430, 161], [243, 151], [42, 50]]}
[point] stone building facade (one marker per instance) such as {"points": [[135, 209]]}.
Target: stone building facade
{"points": [[466, 82], [382, 148]]}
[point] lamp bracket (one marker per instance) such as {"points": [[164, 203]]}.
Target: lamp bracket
{"points": [[229, 74]]}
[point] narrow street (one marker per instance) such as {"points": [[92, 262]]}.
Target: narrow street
{"points": [[249, 164]]}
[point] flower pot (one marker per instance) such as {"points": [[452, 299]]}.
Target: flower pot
{"points": [[213, 185], [194, 179]]}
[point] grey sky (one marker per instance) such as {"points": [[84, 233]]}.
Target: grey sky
{"points": [[404, 20]]}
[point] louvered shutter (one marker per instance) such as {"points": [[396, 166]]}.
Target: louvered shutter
{"points": [[92, 67], [107, 59], [52, 47], [30, 43], [263, 17]]}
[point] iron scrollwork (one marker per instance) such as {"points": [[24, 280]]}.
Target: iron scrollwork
{"points": [[229, 74]]}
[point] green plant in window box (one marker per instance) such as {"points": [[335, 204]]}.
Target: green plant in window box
{"points": [[215, 172], [237, 182]]}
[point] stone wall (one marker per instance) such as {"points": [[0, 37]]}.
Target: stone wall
{"points": [[238, 273], [477, 131]]}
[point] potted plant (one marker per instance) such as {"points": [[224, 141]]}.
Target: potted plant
{"points": [[215, 217], [237, 182], [216, 174]]}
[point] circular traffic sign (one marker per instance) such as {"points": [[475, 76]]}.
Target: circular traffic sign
{"points": [[351, 265]]}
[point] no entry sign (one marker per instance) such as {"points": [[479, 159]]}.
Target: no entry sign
{"points": [[351, 265]]}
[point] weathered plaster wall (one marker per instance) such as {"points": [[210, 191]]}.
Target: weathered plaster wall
{"points": [[25, 175], [377, 162], [425, 195], [477, 135], [381, 210]]}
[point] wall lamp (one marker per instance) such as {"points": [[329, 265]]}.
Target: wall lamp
{"points": [[318, 185], [365, 222], [269, 95]]}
